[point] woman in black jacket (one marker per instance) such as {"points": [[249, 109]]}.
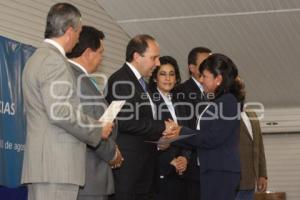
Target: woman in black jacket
{"points": [[171, 162]]}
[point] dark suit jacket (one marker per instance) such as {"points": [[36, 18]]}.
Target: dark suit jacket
{"points": [[99, 178], [218, 138], [253, 161], [189, 92], [136, 125], [166, 156]]}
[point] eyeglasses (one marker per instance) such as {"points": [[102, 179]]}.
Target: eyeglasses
{"points": [[166, 74]]}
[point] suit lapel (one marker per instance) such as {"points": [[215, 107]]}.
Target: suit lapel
{"points": [[91, 86], [245, 129], [133, 78], [194, 86], [254, 123], [137, 86], [139, 93], [87, 82], [161, 106]]}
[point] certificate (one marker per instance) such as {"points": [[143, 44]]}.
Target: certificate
{"points": [[168, 141], [112, 111]]}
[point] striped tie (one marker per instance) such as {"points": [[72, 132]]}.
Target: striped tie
{"points": [[143, 83]]}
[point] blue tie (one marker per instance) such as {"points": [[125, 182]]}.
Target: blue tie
{"points": [[142, 82]]}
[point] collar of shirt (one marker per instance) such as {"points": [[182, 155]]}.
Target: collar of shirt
{"points": [[55, 44], [79, 66], [167, 99], [198, 84], [138, 76], [86, 73], [200, 116], [247, 122], [169, 104], [134, 70]]}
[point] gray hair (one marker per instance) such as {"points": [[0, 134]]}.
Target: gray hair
{"points": [[61, 16]]}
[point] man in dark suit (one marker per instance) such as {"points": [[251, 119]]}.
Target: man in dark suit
{"points": [[191, 93], [252, 156], [86, 57], [135, 179]]}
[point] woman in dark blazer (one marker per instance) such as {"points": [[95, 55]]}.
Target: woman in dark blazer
{"points": [[173, 161], [217, 134]]}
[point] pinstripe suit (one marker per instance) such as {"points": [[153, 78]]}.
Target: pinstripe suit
{"points": [[55, 142], [99, 178]]}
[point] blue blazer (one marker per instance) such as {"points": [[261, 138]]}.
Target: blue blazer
{"points": [[217, 141]]}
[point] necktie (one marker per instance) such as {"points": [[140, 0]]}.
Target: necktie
{"points": [[143, 83], [95, 83]]}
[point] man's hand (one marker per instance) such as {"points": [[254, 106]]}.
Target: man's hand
{"points": [[106, 130], [262, 184], [172, 129], [180, 164], [118, 159]]}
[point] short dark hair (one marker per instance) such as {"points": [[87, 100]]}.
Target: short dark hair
{"points": [[192, 57], [60, 17], [139, 44], [219, 64], [163, 61], [89, 38]]}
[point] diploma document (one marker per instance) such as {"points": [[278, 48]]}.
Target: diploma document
{"points": [[168, 141], [112, 111]]}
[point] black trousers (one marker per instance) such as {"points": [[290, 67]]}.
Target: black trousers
{"points": [[192, 189], [170, 188], [126, 196]]}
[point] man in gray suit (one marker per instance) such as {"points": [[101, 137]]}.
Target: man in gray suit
{"points": [[57, 133], [85, 58]]}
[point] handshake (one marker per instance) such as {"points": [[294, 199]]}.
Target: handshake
{"points": [[171, 131]]}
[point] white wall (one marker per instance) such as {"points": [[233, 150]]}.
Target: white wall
{"points": [[24, 21], [283, 163]]}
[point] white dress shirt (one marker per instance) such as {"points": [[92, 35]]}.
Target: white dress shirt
{"points": [[138, 76], [55, 44], [79, 66], [169, 104]]}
